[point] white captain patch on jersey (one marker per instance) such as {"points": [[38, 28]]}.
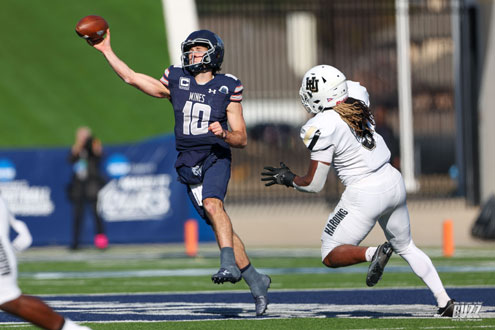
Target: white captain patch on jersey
{"points": [[331, 140]]}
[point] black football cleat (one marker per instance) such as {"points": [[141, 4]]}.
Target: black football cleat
{"points": [[378, 263], [224, 275], [446, 311]]}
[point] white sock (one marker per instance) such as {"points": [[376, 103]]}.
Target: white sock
{"points": [[422, 266], [370, 252]]}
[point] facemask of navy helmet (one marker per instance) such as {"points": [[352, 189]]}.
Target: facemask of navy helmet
{"points": [[211, 60]]}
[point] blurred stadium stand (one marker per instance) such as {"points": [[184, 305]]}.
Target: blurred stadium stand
{"points": [[359, 37], [269, 46]]}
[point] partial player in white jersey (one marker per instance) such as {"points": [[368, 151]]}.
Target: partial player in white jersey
{"points": [[12, 300], [342, 133]]}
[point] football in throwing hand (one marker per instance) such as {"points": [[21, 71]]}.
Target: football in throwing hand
{"points": [[92, 28]]}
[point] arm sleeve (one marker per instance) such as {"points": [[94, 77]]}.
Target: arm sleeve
{"points": [[318, 181], [236, 88], [165, 79]]}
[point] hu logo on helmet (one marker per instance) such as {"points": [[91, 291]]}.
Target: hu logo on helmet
{"points": [[312, 84]]}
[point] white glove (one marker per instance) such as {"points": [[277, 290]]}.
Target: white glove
{"points": [[23, 239]]}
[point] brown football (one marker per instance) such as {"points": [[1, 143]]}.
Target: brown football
{"points": [[92, 28]]}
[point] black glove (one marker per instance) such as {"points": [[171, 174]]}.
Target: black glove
{"points": [[278, 175]]}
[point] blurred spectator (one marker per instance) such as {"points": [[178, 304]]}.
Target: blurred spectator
{"points": [[383, 128], [86, 183]]}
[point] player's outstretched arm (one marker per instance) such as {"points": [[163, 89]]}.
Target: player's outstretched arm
{"points": [[145, 83], [237, 136]]}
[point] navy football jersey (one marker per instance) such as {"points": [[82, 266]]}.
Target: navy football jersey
{"points": [[197, 106]]}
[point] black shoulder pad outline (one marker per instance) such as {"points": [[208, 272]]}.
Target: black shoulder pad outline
{"points": [[314, 140]]}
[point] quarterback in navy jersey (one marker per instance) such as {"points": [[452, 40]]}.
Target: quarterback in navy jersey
{"points": [[195, 106], [208, 122]]}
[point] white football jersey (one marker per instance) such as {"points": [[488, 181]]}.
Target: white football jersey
{"points": [[331, 140]]}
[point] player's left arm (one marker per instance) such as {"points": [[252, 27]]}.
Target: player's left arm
{"points": [[237, 136], [313, 181]]}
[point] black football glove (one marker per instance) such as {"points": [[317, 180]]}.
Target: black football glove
{"points": [[278, 175]]}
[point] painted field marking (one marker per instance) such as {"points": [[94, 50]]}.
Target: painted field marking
{"points": [[285, 304]]}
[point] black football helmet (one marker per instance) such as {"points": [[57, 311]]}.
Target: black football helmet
{"points": [[212, 59]]}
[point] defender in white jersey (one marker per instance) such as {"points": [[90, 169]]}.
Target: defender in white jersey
{"points": [[12, 300], [341, 133]]}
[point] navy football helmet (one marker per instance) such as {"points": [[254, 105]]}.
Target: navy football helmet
{"points": [[212, 59]]}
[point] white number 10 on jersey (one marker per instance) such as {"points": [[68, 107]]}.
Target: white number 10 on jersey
{"points": [[196, 118]]}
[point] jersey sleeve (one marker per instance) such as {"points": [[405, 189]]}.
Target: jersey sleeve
{"points": [[172, 77], [319, 139], [165, 77], [317, 134], [236, 88]]}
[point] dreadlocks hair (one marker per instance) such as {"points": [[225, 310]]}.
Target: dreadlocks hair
{"points": [[357, 115]]}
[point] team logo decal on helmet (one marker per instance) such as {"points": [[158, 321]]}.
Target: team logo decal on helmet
{"points": [[312, 84], [212, 59], [323, 87]]}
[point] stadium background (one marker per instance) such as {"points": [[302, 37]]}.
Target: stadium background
{"points": [[52, 82]]}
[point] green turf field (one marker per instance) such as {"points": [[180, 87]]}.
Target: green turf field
{"points": [[313, 324], [97, 262], [52, 81], [56, 260]]}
